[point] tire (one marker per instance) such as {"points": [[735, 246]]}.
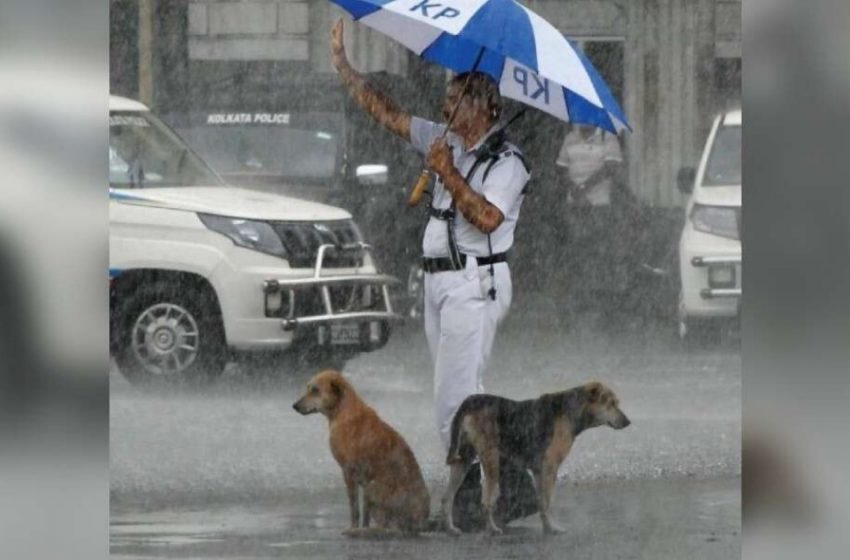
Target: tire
{"points": [[694, 333], [170, 335], [700, 333]]}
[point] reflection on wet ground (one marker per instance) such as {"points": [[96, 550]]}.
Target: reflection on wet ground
{"points": [[233, 471], [641, 519]]}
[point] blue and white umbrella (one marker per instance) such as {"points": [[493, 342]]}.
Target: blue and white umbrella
{"points": [[530, 59]]}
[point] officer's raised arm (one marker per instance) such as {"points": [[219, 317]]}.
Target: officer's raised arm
{"points": [[382, 108]]}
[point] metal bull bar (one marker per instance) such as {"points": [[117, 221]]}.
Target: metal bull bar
{"points": [[275, 289], [724, 260]]}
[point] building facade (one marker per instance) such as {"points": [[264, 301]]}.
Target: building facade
{"points": [[672, 63]]}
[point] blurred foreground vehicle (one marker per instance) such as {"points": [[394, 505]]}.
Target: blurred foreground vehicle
{"points": [[710, 244], [199, 269], [50, 220]]}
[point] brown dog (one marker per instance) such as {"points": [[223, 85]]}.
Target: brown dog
{"points": [[376, 462], [536, 435]]}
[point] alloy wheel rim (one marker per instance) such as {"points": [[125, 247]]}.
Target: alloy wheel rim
{"points": [[165, 339]]}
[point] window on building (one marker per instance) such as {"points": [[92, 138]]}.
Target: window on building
{"points": [[607, 57], [727, 82]]}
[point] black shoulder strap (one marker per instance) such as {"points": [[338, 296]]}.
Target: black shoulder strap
{"points": [[491, 151], [505, 154], [480, 158]]}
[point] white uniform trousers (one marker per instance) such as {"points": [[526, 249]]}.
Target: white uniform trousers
{"points": [[460, 322]]}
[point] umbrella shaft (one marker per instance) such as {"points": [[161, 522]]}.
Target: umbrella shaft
{"points": [[463, 91], [422, 183]]}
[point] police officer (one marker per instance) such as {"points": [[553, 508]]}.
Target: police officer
{"points": [[474, 210]]}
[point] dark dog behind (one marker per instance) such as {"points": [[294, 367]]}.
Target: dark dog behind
{"points": [[534, 434], [517, 498]]}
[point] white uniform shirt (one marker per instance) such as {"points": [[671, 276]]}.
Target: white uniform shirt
{"points": [[503, 189], [585, 156]]}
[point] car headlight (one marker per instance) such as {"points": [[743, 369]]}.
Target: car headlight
{"points": [[250, 234], [717, 220]]}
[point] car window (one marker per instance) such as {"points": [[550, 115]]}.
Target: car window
{"points": [[304, 147], [144, 152], [724, 163]]}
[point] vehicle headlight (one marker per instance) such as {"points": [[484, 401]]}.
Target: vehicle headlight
{"points": [[717, 220], [250, 234]]}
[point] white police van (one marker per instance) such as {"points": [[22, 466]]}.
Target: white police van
{"points": [[200, 271], [710, 244]]}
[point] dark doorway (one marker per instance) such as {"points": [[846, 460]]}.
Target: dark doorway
{"points": [[607, 57], [727, 83]]}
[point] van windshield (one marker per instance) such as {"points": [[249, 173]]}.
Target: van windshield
{"points": [[724, 163], [277, 146], [144, 152]]}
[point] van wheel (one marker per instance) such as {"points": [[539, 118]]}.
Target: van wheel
{"points": [[694, 333], [169, 338]]}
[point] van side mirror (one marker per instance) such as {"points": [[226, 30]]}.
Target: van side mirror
{"points": [[371, 174], [685, 179]]}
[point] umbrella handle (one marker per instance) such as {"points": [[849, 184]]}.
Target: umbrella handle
{"points": [[425, 177], [419, 189]]}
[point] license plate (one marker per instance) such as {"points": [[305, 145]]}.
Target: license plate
{"points": [[345, 333]]}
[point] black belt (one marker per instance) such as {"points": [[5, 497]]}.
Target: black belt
{"points": [[443, 264]]}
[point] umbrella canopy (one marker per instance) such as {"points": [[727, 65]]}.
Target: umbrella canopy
{"points": [[530, 59]]}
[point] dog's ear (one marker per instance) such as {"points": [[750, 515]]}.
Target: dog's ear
{"points": [[594, 391], [336, 389]]}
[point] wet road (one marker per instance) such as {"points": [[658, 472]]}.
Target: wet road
{"points": [[680, 519], [235, 472]]}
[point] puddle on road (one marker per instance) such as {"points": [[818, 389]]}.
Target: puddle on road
{"points": [[293, 544], [653, 519], [158, 534], [164, 540]]}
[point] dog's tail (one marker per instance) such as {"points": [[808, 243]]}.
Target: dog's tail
{"points": [[455, 444]]}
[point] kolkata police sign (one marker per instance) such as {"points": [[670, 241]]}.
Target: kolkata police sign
{"points": [[248, 118]]}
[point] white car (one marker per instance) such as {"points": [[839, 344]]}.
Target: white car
{"points": [[710, 245], [199, 269]]}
